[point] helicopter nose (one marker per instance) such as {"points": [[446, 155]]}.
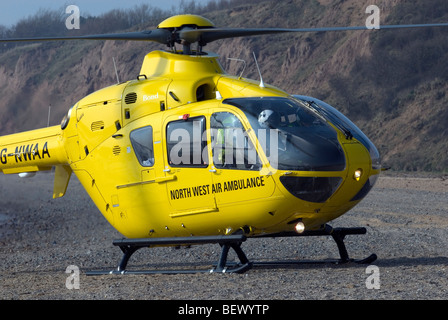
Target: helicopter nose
{"points": [[361, 173], [367, 179], [321, 154], [342, 188]]}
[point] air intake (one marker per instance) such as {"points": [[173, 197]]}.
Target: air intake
{"points": [[130, 98], [97, 125], [116, 150]]}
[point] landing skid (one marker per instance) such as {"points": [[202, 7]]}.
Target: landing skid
{"points": [[338, 235], [130, 246]]}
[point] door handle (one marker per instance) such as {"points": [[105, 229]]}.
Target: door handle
{"points": [[165, 179]]}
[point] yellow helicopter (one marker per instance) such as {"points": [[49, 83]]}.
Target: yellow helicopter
{"points": [[188, 154]]}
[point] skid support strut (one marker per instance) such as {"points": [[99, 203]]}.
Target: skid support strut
{"points": [[338, 235], [222, 263], [130, 246]]}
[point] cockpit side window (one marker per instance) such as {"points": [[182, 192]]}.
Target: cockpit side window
{"points": [[142, 143], [231, 146]]}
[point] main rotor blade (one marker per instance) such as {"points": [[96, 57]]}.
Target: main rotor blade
{"points": [[213, 34], [159, 35], [208, 35]]}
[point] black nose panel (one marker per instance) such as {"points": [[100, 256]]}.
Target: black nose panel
{"points": [[312, 189]]}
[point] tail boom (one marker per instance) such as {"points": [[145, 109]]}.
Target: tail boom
{"points": [[32, 151]]}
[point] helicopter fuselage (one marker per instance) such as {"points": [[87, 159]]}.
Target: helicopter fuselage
{"points": [[186, 149]]}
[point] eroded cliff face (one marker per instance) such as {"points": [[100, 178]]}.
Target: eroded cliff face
{"points": [[35, 77], [409, 134]]}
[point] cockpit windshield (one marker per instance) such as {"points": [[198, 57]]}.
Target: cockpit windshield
{"points": [[292, 135], [344, 124]]}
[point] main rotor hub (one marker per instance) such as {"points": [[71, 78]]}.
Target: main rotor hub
{"points": [[186, 20], [180, 24]]}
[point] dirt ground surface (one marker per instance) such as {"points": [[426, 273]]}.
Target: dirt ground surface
{"points": [[406, 217]]}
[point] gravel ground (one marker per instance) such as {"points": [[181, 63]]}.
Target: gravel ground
{"points": [[407, 227]]}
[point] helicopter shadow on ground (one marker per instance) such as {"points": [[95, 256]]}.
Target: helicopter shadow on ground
{"points": [[207, 266], [412, 261], [294, 264]]}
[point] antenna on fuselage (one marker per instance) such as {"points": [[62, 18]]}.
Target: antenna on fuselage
{"points": [[116, 71], [244, 65], [259, 72], [49, 113]]}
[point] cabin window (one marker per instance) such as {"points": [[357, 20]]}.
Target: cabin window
{"points": [[231, 146], [187, 142], [142, 142]]}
